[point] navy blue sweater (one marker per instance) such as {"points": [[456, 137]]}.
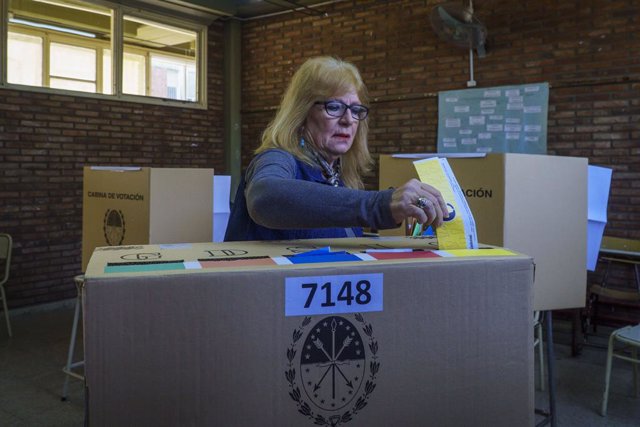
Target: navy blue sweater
{"points": [[283, 198]]}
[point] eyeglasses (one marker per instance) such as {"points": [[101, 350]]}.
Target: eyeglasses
{"points": [[337, 109]]}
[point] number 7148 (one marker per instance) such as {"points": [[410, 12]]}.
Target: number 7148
{"points": [[345, 294]]}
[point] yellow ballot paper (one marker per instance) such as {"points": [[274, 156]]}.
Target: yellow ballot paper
{"points": [[459, 230]]}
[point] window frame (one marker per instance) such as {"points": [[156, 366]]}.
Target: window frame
{"points": [[117, 48]]}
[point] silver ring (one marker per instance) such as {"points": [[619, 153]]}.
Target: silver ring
{"points": [[422, 202]]}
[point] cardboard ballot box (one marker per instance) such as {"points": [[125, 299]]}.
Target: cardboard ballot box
{"points": [[134, 205], [366, 332], [534, 204]]}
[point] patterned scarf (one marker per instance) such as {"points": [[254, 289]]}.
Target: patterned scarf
{"points": [[332, 174]]}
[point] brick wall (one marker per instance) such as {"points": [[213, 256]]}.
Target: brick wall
{"points": [[586, 50], [45, 140]]}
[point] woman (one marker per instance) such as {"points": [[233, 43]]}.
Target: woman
{"points": [[305, 181]]}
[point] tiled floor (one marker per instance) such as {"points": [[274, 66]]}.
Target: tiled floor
{"points": [[580, 384], [31, 375], [31, 378]]}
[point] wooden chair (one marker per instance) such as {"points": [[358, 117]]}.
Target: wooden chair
{"points": [[623, 303]]}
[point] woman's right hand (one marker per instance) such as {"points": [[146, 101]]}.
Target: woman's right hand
{"points": [[406, 199]]}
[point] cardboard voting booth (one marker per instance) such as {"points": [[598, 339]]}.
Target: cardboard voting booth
{"points": [[139, 205], [534, 204], [344, 332]]}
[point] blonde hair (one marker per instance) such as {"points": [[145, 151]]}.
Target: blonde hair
{"points": [[316, 80]]}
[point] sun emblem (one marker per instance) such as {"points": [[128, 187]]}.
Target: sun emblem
{"points": [[114, 227], [337, 368]]}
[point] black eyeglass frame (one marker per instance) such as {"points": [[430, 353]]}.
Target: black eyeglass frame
{"points": [[351, 107]]}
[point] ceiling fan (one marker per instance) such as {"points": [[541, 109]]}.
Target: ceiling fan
{"points": [[456, 23]]}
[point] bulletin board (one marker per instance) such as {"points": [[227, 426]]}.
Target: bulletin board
{"points": [[502, 119]]}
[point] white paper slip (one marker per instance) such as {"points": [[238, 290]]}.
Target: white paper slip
{"points": [[458, 230]]}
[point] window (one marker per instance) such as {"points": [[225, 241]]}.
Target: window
{"points": [[173, 78], [169, 51], [25, 59], [68, 45], [72, 67], [134, 73]]}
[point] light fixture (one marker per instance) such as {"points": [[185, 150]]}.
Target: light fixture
{"points": [[52, 27]]}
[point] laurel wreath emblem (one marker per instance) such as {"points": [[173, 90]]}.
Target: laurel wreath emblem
{"points": [[303, 406]]}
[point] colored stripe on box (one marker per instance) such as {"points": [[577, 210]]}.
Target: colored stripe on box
{"points": [[403, 255], [143, 267], [475, 252], [236, 262], [329, 257]]}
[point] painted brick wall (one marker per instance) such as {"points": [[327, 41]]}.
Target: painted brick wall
{"points": [[586, 50], [45, 140]]}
